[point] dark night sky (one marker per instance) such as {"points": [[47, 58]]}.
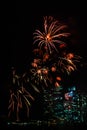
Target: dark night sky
{"points": [[22, 21]]}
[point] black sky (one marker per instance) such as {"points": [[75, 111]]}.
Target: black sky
{"points": [[22, 20]]}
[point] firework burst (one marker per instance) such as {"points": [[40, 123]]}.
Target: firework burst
{"points": [[40, 74], [53, 32], [19, 95], [68, 62]]}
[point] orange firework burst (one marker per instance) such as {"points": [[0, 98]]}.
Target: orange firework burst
{"points": [[53, 32]]}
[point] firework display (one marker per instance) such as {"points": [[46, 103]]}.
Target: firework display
{"points": [[19, 95], [52, 34], [70, 107], [46, 75]]}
